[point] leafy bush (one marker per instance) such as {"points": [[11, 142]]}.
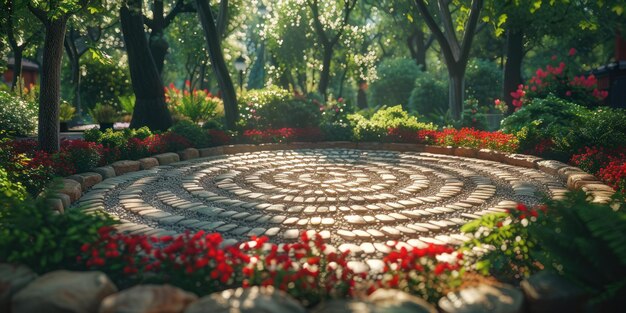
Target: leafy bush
{"points": [[602, 127], [24, 164], [277, 108], [551, 119], [376, 128], [84, 155], [104, 83], [9, 188], [66, 111], [334, 123], [103, 113], [582, 241], [429, 94], [197, 105], [483, 79], [396, 79], [18, 116], [33, 235], [198, 137]]}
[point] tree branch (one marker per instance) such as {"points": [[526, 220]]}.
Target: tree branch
{"points": [[180, 7], [434, 29], [448, 27], [39, 13], [470, 28], [222, 19]]}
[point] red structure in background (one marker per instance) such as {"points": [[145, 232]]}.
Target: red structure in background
{"points": [[612, 77], [30, 72]]}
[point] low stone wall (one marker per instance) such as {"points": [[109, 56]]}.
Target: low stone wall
{"points": [[575, 178], [22, 291]]}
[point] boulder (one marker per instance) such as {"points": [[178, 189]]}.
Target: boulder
{"points": [[148, 163], [167, 158], [87, 180], [522, 160], [105, 172], [550, 166], [56, 204], [188, 154], [148, 299], [207, 152], [63, 292], [125, 166], [549, 292], [12, 279], [391, 300], [345, 306], [490, 155], [483, 298], [577, 180], [71, 188], [249, 300]]}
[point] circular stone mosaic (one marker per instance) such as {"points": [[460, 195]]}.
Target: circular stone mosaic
{"points": [[357, 200]]}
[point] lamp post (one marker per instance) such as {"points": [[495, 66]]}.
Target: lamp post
{"points": [[240, 65]]}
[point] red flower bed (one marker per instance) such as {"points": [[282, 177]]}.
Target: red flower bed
{"points": [[282, 135], [308, 269], [608, 165]]}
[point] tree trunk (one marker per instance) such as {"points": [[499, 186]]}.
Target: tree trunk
{"points": [[17, 68], [456, 91], [224, 81], [72, 54], [325, 75], [150, 108], [342, 81], [50, 89], [361, 97], [513, 66], [420, 49]]}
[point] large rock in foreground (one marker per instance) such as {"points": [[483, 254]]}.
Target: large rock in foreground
{"points": [[148, 299], [12, 279], [64, 292], [250, 300]]}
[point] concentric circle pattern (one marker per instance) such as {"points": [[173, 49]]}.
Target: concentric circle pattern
{"points": [[358, 200]]}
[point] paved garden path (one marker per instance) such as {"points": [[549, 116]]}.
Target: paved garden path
{"points": [[358, 200]]}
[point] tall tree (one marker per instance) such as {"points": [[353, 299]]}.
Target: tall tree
{"points": [[54, 15], [455, 52], [150, 107], [213, 40], [328, 37], [158, 23]]}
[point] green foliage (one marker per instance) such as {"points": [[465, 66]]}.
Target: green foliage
{"points": [[277, 108], [550, 118], [18, 116], [334, 123], [483, 79], [602, 127], [33, 235], [473, 114], [104, 82], [197, 105], [115, 139], [103, 113], [429, 94], [396, 79], [127, 103], [66, 111], [376, 128], [9, 188], [586, 243], [193, 132]]}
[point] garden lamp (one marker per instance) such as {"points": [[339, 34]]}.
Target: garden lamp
{"points": [[240, 65]]}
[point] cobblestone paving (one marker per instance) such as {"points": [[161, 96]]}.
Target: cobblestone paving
{"points": [[357, 200]]}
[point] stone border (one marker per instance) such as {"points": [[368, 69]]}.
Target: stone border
{"points": [[575, 178]]}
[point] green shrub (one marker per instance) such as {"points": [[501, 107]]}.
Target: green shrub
{"points": [[10, 189], [102, 113], [17, 116], [582, 241], [198, 137], [377, 127], [551, 119], [602, 127], [483, 81], [396, 79], [66, 111], [197, 105], [104, 82], [429, 94], [277, 108], [33, 235]]}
